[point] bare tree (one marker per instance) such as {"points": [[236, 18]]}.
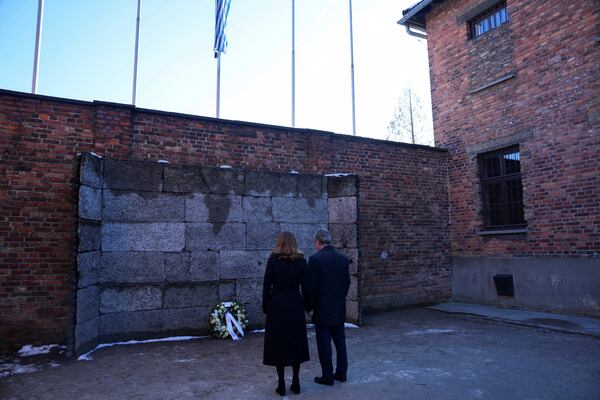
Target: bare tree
{"points": [[410, 122]]}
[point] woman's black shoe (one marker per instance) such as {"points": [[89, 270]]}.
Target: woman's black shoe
{"points": [[322, 381], [295, 387], [339, 377], [281, 389]]}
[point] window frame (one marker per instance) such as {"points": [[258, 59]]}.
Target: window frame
{"points": [[491, 17], [503, 177]]}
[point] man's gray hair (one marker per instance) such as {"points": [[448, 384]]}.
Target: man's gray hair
{"points": [[323, 236]]}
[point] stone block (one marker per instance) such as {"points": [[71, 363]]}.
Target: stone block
{"points": [[243, 264], [352, 254], [311, 186], [257, 209], [133, 175], [177, 267], [224, 180], [342, 186], [88, 304], [115, 325], [127, 206], [89, 233], [204, 266], [342, 210], [249, 290], [90, 172], [226, 290], [270, 184], [217, 236], [213, 208], [344, 235], [352, 312], [86, 335], [196, 295], [194, 320], [184, 179], [254, 314], [90, 203], [353, 291], [289, 209], [261, 236], [166, 236], [88, 266], [132, 267], [130, 298], [304, 233]]}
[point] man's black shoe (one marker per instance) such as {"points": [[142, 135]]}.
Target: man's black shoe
{"points": [[340, 377], [322, 381]]}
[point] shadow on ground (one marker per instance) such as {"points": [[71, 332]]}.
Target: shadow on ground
{"points": [[405, 354]]}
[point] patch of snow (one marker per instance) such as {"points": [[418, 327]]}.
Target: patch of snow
{"points": [[29, 350], [88, 356], [163, 161], [349, 325], [54, 365], [428, 331], [9, 369], [185, 360], [258, 331], [294, 172], [95, 155], [225, 167], [337, 175]]}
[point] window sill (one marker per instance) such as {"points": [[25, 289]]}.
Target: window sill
{"points": [[502, 232], [494, 83]]}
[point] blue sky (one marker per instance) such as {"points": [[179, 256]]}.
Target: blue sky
{"points": [[88, 45]]}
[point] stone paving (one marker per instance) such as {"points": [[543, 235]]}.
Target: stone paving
{"points": [[406, 354]]}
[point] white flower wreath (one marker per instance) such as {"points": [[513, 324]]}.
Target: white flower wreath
{"points": [[218, 323]]}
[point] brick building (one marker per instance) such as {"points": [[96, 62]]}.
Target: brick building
{"points": [[515, 88]]}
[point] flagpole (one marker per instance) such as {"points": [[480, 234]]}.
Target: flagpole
{"points": [[352, 71], [135, 57], [293, 63], [218, 82], [36, 54]]}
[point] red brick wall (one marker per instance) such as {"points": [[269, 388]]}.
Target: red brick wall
{"points": [[403, 197], [550, 108]]}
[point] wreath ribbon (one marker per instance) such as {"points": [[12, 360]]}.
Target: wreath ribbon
{"points": [[231, 322]]}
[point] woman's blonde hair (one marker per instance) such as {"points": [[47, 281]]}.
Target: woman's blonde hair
{"points": [[286, 246]]}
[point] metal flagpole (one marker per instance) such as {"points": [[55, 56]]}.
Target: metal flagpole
{"points": [[293, 63], [352, 72], [137, 45], [218, 82], [38, 39], [221, 12]]}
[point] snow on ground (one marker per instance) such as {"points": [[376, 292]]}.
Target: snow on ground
{"points": [[88, 356], [428, 331], [29, 350], [8, 369]]}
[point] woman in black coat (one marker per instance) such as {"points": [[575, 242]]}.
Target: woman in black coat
{"points": [[285, 328]]}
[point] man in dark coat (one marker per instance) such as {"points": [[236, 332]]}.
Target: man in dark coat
{"points": [[328, 283]]}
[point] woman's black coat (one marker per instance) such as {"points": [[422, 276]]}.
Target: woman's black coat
{"points": [[285, 328]]}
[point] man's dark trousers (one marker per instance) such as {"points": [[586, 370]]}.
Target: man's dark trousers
{"points": [[325, 334]]}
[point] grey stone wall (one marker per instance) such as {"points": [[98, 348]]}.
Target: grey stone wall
{"points": [[160, 244]]}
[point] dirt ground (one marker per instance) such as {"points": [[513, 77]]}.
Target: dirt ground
{"points": [[414, 353]]}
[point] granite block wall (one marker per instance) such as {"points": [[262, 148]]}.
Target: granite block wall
{"points": [[160, 244]]}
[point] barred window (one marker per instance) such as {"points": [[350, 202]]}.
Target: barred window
{"points": [[488, 20], [501, 189]]}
